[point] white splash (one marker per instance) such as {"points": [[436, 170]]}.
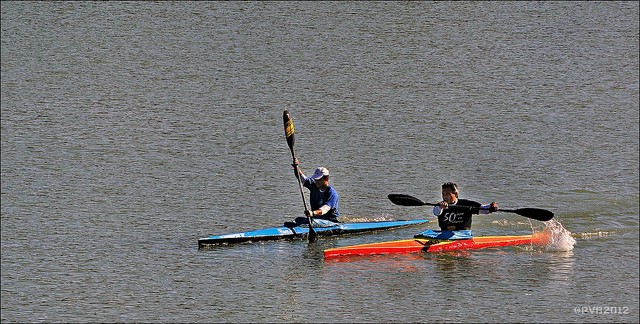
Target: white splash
{"points": [[556, 237], [599, 234], [373, 218]]}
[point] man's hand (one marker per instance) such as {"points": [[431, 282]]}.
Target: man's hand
{"points": [[493, 207]]}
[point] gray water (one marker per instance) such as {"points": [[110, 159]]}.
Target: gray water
{"points": [[131, 129]]}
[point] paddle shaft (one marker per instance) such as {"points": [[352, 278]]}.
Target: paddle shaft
{"points": [[289, 131], [297, 174]]}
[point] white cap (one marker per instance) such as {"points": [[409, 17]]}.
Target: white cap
{"points": [[320, 172]]}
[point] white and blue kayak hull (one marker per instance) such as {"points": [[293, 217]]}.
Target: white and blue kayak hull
{"points": [[302, 232]]}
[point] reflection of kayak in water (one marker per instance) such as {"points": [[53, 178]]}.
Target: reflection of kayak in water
{"points": [[437, 244], [302, 231]]}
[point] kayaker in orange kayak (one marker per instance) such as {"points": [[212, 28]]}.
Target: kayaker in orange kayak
{"points": [[450, 217]]}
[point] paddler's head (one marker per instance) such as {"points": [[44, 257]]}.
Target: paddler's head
{"points": [[450, 192], [321, 177]]}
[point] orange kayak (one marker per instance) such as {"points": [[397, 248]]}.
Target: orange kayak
{"points": [[418, 245]]}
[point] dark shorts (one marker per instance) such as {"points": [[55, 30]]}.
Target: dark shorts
{"points": [[304, 221]]}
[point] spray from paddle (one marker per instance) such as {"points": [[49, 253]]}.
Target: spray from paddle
{"points": [[555, 237]]}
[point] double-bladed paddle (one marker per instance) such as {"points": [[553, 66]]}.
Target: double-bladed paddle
{"points": [[289, 133], [533, 213]]}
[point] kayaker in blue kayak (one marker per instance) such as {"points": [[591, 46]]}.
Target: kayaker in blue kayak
{"points": [[323, 198], [451, 214]]}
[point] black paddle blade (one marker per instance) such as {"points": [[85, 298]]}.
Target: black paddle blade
{"points": [[405, 200], [288, 128], [313, 236], [533, 213]]}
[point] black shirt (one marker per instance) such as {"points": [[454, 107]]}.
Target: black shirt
{"points": [[458, 216]]}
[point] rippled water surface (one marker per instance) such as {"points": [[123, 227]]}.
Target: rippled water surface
{"points": [[131, 129]]}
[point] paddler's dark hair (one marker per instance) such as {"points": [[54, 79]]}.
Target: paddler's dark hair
{"points": [[451, 185]]}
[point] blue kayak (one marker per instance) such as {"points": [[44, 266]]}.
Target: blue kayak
{"points": [[302, 231]]}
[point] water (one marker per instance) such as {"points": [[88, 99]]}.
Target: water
{"points": [[131, 129]]}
